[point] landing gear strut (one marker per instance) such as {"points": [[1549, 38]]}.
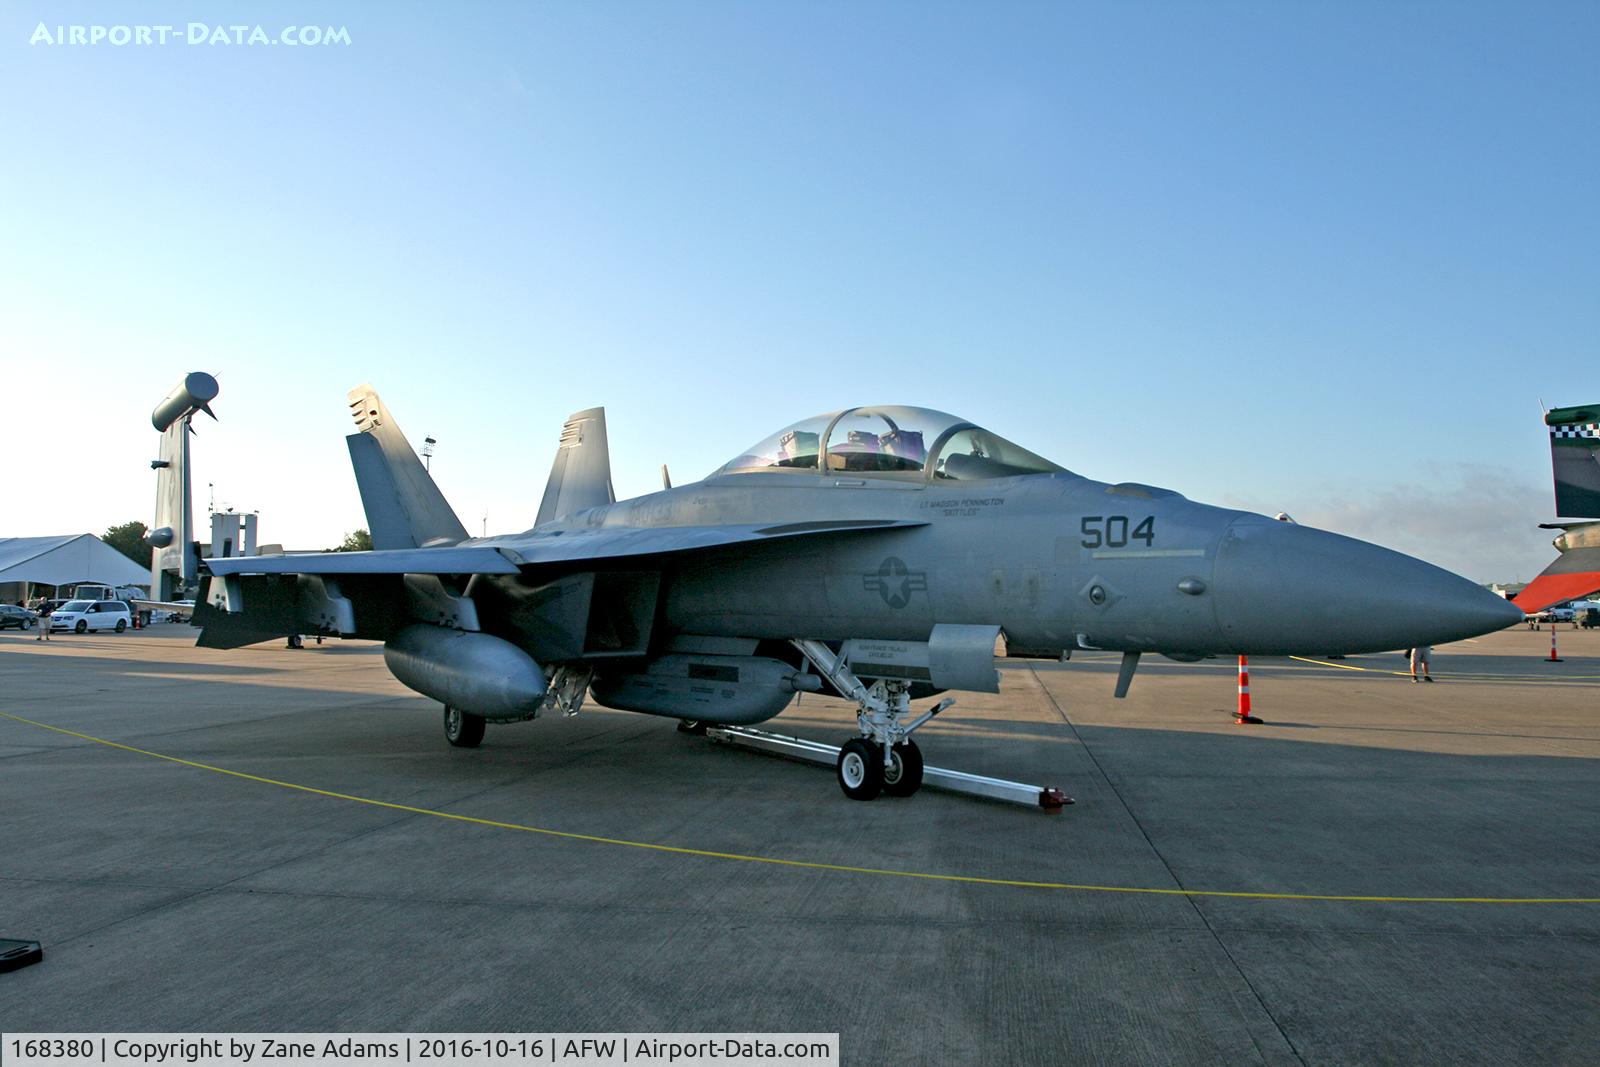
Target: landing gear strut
{"points": [[568, 686], [883, 759]]}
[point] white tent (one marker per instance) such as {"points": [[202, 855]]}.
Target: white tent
{"points": [[65, 560]]}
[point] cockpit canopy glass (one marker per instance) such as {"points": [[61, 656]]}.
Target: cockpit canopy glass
{"points": [[900, 443]]}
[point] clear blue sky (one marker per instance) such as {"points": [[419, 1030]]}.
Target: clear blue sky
{"points": [[1324, 258]]}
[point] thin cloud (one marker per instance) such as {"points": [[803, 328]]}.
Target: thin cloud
{"points": [[1478, 520]]}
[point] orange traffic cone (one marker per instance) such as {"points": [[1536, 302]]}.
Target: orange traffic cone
{"points": [[1553, 657], [1243, 716]]}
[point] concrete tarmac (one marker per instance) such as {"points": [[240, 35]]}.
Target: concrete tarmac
{"points": [[174, 898]]}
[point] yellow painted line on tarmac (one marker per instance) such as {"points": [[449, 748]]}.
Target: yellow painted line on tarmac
{"points": [[1344, 666], [801, 864], [1466, 676]]}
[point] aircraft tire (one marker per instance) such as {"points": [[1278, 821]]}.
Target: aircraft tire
{"points": [[860, 769], [903, 776], [693, 727], [463, 729]]}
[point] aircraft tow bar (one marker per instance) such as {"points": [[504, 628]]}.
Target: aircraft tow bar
{"points": [[798, 748]]}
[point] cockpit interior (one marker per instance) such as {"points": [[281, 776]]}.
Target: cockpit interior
{"points": [[896, 442]]}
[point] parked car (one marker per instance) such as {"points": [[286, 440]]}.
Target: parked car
{"points": [[1561, 614], [21, 618], [81, 616], [181, 614]]}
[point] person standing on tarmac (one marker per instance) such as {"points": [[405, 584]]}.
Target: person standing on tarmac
{"points": [[43, 621], [1423, 655]]}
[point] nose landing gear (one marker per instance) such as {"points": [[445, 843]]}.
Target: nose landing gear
{"points": [[864, 772], [902, 775], [860, 770], [883, 759]]}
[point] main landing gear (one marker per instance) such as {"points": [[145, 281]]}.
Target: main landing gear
{"points": [[463, 729], [568, 686]]}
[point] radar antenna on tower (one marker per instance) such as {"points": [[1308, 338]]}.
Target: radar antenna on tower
{"points": [[173, 559]]}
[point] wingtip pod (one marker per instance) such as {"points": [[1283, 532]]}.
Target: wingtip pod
{"points": [[1587, 413], [366, 407]]}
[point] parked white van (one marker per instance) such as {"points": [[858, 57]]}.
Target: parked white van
{"points": [[80, 616]]}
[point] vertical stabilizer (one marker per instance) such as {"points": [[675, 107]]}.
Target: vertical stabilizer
{"points": [[1575, 457], [404, 508], [581, 475]]}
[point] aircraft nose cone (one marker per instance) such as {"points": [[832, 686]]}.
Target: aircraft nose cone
{"points": [[1293, 590]]}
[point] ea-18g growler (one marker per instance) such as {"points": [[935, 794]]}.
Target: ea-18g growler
{"points": [[881, 554]]}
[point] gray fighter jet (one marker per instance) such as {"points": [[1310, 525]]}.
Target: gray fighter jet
{"points": [[883, 554]]}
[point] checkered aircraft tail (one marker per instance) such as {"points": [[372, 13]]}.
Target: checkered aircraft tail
{"points": [[1575, 457]]}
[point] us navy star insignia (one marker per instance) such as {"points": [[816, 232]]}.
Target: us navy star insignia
{"points": [[894, 582]]}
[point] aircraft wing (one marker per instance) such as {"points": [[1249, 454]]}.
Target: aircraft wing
{"points": [[563, 546], [472, 559], [556, 546], [246, 599], [1574, 575]]}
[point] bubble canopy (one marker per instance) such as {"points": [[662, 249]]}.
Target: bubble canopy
{"points": [[900, 443]]}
